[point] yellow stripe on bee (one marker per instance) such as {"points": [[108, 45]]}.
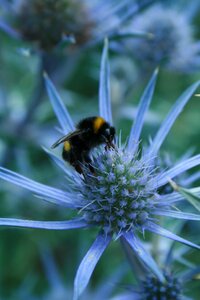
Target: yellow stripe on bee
{"points": [[98, 122], [67, 146]]}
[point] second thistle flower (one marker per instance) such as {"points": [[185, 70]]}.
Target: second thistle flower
{"points": [[47, 22]]}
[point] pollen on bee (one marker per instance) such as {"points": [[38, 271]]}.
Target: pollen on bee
{"points": [[67, 146], [98, 122]]}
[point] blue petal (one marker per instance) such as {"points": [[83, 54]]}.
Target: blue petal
{"points": [[178, 169], [169, 199], [142, 254], [128, 12], [176, 197], [190, 180], [103, 11], [51, 225], [176, 214], [50, 194], [164, 232], [171, 117], [107, 23], [135, 264], [61, 112], [104, 86], [143, 107], [88, 264]]}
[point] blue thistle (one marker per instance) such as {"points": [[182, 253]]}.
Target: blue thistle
{"points": [[176, 276], [151, 288], [50, 24], [155, 289], [172, 45], [122, 198], [119, 197]]}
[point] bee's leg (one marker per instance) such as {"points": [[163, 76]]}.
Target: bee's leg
{"points": [[109, 146], [112, 146], [88, 160], [75, 161], [77, 167]]}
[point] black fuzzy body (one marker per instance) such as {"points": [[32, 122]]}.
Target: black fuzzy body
{"points": [[83, 140]]}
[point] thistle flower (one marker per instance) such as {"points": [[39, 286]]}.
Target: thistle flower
{"points": [[177, 272], [46, 22], [151, 288], [172, 45], [122, 198], [50, 23]]}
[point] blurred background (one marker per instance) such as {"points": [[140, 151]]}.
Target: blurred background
{"points": [[70, 53]]}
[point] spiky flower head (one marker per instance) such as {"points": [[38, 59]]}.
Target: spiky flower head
{"points": [[47, 22], [172, 44], [176, 269], [117, 197], [57, 24], [121, 197], [153, 288]]}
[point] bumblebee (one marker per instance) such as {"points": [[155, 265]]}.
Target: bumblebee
{"points": [[89, 133]]}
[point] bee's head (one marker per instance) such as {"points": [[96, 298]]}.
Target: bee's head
{"points": [[108, 134]]}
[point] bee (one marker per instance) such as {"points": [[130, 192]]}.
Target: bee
{"points": [[89, 133]]}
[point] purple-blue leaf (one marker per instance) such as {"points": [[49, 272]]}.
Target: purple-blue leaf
{"points": [[178, 169], [104, 86], [176, 214], [60, 110], [50, 194], [51, 225], [166, 233], [143, 107], [142, 254], [88, 264], [171, 117]]}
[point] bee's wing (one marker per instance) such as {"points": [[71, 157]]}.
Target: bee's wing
{"points": [[66, 137]]}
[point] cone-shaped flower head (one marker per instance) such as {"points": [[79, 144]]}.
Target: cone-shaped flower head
{"points": [[153, 288], [46, 22], [118, 198], [177, 272], [49, 23], [121, 196], [172, 44]]}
